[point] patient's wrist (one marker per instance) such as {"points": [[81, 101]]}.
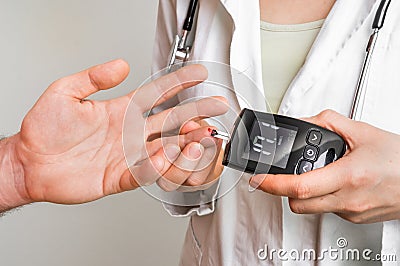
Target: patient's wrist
{"points": [[12, 182]]}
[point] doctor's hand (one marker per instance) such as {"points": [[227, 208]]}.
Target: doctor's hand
{"points": [[70, 151], [361, 187]]}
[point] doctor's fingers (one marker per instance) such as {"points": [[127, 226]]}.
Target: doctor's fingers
{"points": [[316, 183], [356, 208], [200, 135], [350, 130], [166, 87], [92, 80], [151, 169], [326, 204], [182, 168], [175, 117]]}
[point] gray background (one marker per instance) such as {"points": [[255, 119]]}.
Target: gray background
{"points": [[41, 41]]}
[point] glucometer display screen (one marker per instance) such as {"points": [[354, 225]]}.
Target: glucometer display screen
{"points": [[270, 144]]}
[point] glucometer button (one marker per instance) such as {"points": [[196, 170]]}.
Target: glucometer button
{"points": [[311, 153], [304, 167], [314, 137]]}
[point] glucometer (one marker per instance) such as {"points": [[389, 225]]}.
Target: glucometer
{"points": [[263, 143]]}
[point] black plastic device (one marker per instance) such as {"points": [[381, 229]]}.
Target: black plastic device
{"points": [[266, 143]]}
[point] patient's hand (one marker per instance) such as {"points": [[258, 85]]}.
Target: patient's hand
{"points": [[200, 163], [70, 150]]}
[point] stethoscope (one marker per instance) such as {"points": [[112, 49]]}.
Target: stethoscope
{"points": [[180, 51], [359, 98]]}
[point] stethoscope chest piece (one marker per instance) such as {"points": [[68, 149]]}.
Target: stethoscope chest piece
{"points": [[180, 50], [178, 54]]}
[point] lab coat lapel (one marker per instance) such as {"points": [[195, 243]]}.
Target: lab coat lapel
{"points": [[245, 54], [231, 7], [343, 21], [245, 59]]}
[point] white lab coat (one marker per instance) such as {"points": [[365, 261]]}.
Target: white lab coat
{"points": [[231, 230]]}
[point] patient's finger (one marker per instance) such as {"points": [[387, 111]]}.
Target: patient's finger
{"points": [[205, 166], [174, 118], [92, 80], [155, 166], [166, 87], [189, 126], [201, 135], [182, 167]]}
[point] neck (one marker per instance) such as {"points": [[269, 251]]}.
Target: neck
{"points": [[294, 11]]}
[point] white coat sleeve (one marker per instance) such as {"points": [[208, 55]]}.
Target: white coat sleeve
{"points": [[168, 25]]}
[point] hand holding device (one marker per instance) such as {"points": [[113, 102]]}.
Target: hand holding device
{"points": [[362, 187]]}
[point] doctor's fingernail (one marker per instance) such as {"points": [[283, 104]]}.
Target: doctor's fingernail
{"points": [[195, 151], [172, 152]]}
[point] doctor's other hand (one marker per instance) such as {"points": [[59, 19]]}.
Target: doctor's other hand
{"points": [[70, 150], [362, 187]]}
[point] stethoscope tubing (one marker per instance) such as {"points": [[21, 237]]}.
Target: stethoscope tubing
{"points": [[361, 91], [190, 17]]}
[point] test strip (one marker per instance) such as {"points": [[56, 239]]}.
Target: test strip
{"points": [[220, 135]]}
